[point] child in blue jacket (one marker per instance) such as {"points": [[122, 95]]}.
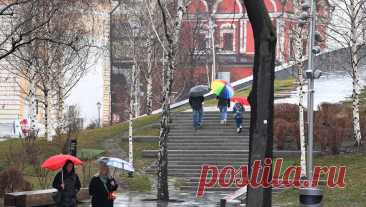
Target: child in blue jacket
{"points": [[238, 110]]}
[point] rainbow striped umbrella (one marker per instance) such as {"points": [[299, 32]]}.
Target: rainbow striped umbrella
{"points": [[222, 89]]}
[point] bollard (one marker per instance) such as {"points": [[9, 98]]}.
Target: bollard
{"points": [[311, 197]]}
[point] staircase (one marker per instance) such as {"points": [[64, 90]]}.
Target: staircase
{"points": [[215, 144]]}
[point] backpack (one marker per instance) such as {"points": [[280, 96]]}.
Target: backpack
{"points": [[238, 109]]}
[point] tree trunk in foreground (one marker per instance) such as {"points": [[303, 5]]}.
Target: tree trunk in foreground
{"points": [[261, 97], [172, 38], [354, 7], [300, 78]]}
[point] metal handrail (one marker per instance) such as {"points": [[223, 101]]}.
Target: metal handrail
{"points": [[240, 194]]}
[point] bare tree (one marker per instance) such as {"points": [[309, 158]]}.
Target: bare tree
{"points": [[54, 67], [347, 30], [172, 27], [17, 26]]}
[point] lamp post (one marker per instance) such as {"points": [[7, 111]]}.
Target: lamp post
{"points": [[310, 196], [99, 107], [212, 36]]}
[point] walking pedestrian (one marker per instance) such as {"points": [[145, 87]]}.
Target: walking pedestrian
{"points": [[67, 183], [223, 104], [197, 110], [102, 188], [238, 110]]}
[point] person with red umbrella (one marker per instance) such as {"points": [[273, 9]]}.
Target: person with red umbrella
{"points": [[238, 110], [67, 183]]}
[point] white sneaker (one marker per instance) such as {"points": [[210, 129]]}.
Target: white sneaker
{"points": [[238, 130]]}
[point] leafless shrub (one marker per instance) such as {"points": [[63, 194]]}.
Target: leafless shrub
{"points": [[12, 180]]}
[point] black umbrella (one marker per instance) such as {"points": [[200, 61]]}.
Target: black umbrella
{"points": [[199, 90]]}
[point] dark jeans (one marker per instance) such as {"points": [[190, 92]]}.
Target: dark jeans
{"points": [[238, 122], [197, 117]]}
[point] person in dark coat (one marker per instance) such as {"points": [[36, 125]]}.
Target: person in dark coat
{"points": [[223, 104], [102, 188], [67, 182], [197, 110]]}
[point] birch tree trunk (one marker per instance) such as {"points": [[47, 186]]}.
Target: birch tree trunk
{"points": [[172, 39], [298, 31], [355, 73], [261, 97], [33, 118], [46, 116], [149, 95]]}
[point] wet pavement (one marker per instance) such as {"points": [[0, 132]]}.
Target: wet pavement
{"points": [[183, 199]]}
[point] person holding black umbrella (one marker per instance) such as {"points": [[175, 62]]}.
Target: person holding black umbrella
{"points": [[196, 101], [197, 110]]}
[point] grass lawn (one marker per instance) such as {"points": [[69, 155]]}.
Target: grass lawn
{"points": [[353, 195], [13, 153], [138, 148]]}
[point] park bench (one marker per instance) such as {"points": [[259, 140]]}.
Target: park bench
{"points": [[37, 198]]}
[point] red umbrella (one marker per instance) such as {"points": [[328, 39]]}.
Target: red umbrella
{"points": [[240, 99], [58, 161]]}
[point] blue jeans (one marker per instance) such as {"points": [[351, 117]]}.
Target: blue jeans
{"points": [[223, 113], [197, 117]]}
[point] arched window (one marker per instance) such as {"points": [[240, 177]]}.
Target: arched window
{"points": [[227, 37]]}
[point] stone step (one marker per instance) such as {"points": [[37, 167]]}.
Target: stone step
{"points": [[195, 167], [239, 147], [215, 162], [207, 144], [205, 114], [204, 128], [209, 137], [196, 157], [213, 134], [208, 121], [206, 152], [212, 140]]}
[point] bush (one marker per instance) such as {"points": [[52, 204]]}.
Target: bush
{"points": [[333, 125], [286, 134], [288, 112], [286, 126], [12, 180]]}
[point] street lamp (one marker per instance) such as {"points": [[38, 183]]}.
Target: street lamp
{"points": [[310, 196], [99, 106], [212, 36]]}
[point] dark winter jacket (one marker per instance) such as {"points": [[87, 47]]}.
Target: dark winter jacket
{"points": [[196, 102], [72, 185], [223, 102], [100, 193]]}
